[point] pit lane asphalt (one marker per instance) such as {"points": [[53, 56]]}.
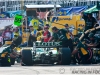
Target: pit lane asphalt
{"points": [[17, 69]]}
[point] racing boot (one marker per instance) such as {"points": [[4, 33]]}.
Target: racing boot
{"points": [[73, 60]]}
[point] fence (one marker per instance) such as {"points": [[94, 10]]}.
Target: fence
{"points": [[13, 5]]}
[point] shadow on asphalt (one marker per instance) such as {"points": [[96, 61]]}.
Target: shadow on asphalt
{"points": [[51, 65], [67, 65]]}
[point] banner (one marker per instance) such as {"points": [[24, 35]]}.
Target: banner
{"points": [[6, 22], [18, 20], [35, 23], [3, 15], [71, 10], [13, 13]]}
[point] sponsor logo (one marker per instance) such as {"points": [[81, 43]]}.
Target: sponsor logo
{"points": [[2, 15], [59, 19], [40, 44]]}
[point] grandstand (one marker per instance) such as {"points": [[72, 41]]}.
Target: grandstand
{"points": [[13, 5]]}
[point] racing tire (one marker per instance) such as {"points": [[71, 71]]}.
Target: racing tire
{"points": [[66, 56], [26, 58], [12, 60], [90, 59], [5, 62]]}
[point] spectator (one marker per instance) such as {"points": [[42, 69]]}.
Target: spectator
{"points": [[32, 37], [98, 21], [46, 34], [48, 25], [1, 40], [33, 31], [7, 35], [39, 33], [16, 33], [24, 23], [90, 21], [67, 27]]}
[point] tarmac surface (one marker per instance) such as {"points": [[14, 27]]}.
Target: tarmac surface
{"points": [[17, 69]]}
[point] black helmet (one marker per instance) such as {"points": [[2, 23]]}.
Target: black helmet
{"points": [[76, 39], [66, 25], [54, 28], [96, 25], [91, 35], [13, 45]]}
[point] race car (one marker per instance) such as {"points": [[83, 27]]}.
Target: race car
{"points": [[45, 53], [48, 53]]}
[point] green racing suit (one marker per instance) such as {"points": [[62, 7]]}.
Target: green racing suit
{"points": [[5, 56], [62, 35], [83, 52]]}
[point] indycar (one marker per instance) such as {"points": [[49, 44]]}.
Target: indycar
{"points": [[50, 52], [45, 53]]}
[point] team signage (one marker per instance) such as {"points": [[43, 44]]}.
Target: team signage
{"points": [[50, 44], [18, 20], [35, 23]]}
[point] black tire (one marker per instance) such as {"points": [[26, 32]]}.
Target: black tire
{"points": [[12, 61], [26, 58], [90, 59], [5, 62], [66, 56]]}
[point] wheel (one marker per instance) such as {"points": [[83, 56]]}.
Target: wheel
{"points": [[12, 61], [90, 59], [26, 58], [5, 62], [66, 56]]}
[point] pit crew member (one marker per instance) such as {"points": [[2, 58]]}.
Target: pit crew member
{"points": [[46, 34], [67, 28], [6, 54], [62, 35], [94, 40], [82, 49]]}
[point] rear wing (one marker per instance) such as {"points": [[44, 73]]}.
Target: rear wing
{"points": [[47, 44]]}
